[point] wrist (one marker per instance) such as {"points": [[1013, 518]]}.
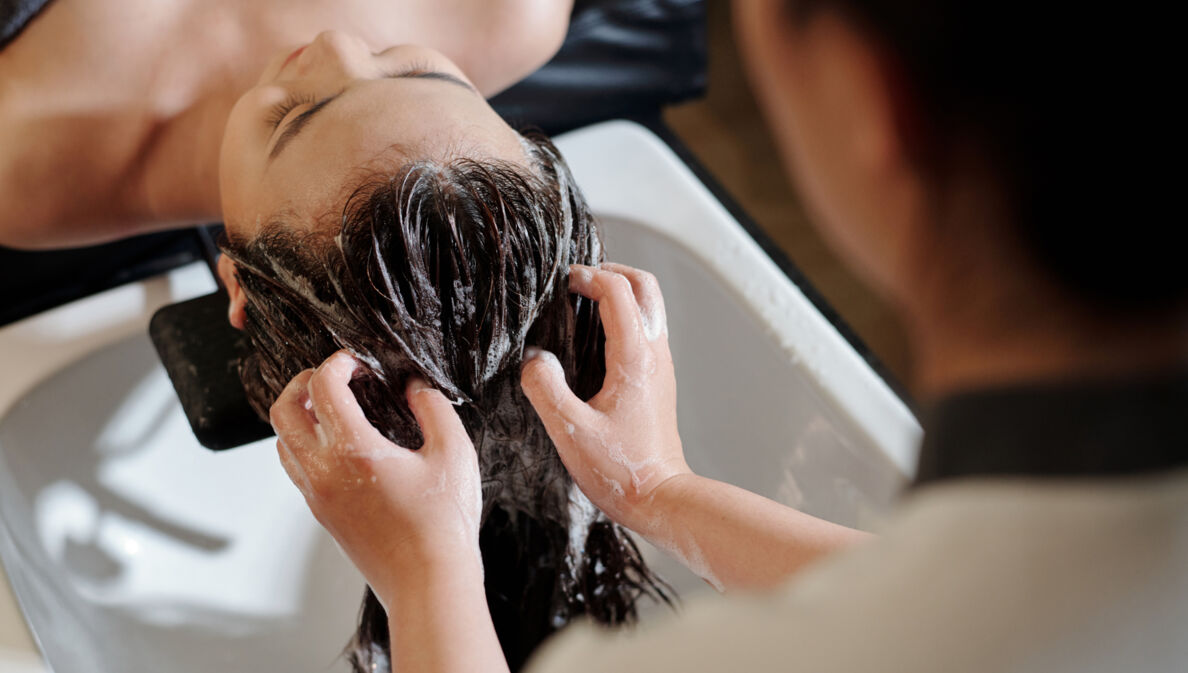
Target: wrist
{"points": [[420, 564], [641, 514]]}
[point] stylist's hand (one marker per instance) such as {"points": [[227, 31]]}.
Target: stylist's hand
{"points": [[622, 445], [391, 510]]}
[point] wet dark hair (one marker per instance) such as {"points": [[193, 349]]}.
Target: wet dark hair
{"points": [[1071, 111], [446, 270]]}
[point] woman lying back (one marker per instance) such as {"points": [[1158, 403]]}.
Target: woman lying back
{"points": [[112, 113], [374, 202]]}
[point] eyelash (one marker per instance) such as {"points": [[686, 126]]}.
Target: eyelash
{"points": [[412, 68], [282, 109]]}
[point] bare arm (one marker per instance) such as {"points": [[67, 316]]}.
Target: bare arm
{"points": [[625, 453], [438, 619], [733, 538]]}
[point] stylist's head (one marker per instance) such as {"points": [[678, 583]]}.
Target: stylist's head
{"points": [[326, 113], [986, 165]]}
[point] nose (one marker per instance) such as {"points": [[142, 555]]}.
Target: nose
{"points": [[340, 51]]}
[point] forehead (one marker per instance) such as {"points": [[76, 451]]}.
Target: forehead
{"points": [[378, 123]]}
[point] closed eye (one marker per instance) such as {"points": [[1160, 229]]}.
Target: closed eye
{"points": [[425, 71], [281, 110], [411, 68], [293, 128]]}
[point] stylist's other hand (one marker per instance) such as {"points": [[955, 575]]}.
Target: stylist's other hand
{"points": [[391, 510], [623, 444]]}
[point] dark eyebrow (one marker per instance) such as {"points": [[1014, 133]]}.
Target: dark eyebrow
{"points": [[302, 120], [299, 123], [435, 75]]}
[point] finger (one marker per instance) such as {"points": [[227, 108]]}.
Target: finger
{"points": [[647, 294], [543, 381], [334, 402], [436, 416], [293, 467], [290, 415], [616, 304]]}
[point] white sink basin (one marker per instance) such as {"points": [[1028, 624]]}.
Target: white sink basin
{"points": [[132, 549]]}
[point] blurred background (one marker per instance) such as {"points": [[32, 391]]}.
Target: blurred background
{"points": [[727, 133]]}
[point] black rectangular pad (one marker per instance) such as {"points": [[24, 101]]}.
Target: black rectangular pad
{"points": [[201, 350]]}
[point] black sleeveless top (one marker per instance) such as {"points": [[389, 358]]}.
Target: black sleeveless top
{"points": [[15, 15]]}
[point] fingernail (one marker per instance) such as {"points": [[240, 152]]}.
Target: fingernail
{"points": [[349, 358], [547, 357], [339, 358], [581, 273], [415, 385], [533, 353]]}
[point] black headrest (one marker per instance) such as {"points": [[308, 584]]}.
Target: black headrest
{"points": [[201, 352], [620, 59]]}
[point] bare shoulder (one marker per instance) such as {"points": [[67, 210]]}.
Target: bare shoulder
{"points": [[21, 214], [55, 187], [94, 94], [500, 42]]}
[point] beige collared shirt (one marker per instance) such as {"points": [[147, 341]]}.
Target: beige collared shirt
{"points": [[972, 576]]}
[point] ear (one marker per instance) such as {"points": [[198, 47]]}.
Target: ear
{"points": [[235, 311], [827, 76], [866, 95], [842, 114]]}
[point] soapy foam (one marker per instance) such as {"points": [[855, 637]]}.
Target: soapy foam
{"points": [[655, 323], [583, 274], [684, 548], [634, 468], [385, 451], [405, 327], [582, 514], [320, 433], [615, 486]]}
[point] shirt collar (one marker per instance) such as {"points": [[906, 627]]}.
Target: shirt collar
{"points": [[1058, 429]]}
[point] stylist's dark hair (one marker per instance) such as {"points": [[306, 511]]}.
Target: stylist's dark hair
{"points": [[1071, 107], [446, 270]]}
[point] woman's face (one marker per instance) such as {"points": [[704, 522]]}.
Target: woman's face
{"points": [[324, 112]]}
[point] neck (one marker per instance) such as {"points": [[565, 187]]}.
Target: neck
{"points": [[180, 164], [979, 311], [180, 168]]}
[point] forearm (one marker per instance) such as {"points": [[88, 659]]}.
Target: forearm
{"points": [[439, 622], [733, 538]]}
